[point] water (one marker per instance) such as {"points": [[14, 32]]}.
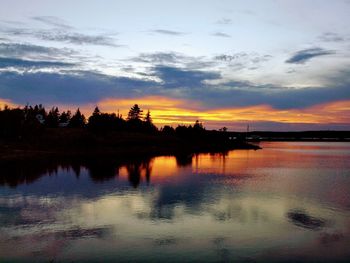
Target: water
{"points": [[287, 202]]}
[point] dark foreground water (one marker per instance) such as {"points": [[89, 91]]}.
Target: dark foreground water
{"points": [[287, 202]]}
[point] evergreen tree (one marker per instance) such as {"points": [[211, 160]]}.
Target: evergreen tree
{"points": [[78, 120], [96, 111], [65, 117], [52, 118], [135, 113], [198, 126], [148, 118], [148, 123]]}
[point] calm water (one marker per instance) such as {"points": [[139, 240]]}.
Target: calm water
{"points": [[287, 202]]}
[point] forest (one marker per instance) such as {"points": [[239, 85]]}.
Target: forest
{"points": [[32, 131], [30, 121]]}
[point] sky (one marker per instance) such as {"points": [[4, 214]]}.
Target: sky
{"points": [[273, 64]]}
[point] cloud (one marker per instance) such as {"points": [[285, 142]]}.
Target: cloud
{"points": [[18, 50], [62, 35], [305, 55], [331, 37], [159, 57], [20, 63], [173, 77], [173, 59], [52, 21], [70, 87], [175, 82], [168, 32], [241, 94], [252, 57], [224, 21], [242, 60], [220, 34], [76, 38], [226, 57]]}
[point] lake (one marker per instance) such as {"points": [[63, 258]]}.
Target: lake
{"points": [[289, 201]]}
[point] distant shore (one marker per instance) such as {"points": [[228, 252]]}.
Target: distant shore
{"points": [[304, 136]]}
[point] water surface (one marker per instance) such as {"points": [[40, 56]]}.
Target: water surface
{"points": [[287, 202]]}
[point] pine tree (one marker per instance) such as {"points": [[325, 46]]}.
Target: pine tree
{"points": [[148, 118], [96, 111], [135, 113], [78, 120], [52, 118], [65, 117]]}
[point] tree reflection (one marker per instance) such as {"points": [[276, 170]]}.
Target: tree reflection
{"points": [[136, 169], [184, 160], [14, 173]]}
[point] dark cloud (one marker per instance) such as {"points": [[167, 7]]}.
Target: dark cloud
{"points": [[168, 32], [17, 50], [220, 34], [68, 87], [52, 21], [247, 94], [20, 63], [91, 87], [305, 55]]}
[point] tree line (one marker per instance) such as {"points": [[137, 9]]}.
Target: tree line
{"points": [[31, 120]]}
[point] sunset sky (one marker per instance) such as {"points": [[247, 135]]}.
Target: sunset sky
{"points": [[272, 64]]}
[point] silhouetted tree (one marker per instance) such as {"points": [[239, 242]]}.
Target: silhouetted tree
{"points": [[11, 121], [198, 126], [99, 121], [135, 113], [148, 118], [168, 130], [96, 111], [52, 118], [148, 123], [78, 120], [65, 117]]}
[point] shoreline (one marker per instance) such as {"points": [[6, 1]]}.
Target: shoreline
{"points": [[83, 145], [25, 154]]}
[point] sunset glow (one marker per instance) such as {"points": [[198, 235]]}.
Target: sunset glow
{"points": [[166, 111], [173, 112]]}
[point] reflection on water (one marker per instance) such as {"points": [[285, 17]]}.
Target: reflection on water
{"points": [[302, 219], [287, 202]]}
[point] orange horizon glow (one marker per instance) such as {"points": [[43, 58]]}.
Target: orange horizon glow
{"points": [[6, 102], [168, 111]]}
